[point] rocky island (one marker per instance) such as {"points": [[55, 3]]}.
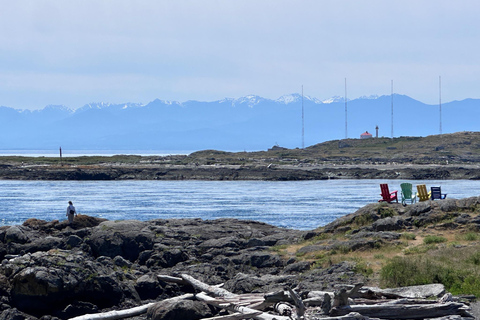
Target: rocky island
{"points": [[447, 156], [53, 270]]}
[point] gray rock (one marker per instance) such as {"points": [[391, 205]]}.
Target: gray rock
{"points": [[73, 241], [14, 314], [179, 310], [121, 238], [412, 292], [121, 262], [16, 234], [148, 287], [389, 224]]}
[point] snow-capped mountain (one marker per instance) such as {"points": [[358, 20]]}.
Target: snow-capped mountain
{"points": [[246, 123], [295, 97]]}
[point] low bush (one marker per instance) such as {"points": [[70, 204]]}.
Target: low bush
{"points": [[408, 236], [434, 239], [458, 270]]}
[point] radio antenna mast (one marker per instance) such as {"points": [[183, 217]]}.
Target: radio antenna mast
{"points": [[392, 109], [440, 100], [303, 123], [346, 122]]}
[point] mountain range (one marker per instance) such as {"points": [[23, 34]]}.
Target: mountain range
{"points": [[249, 123]]}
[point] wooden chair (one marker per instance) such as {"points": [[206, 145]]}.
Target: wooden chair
{"points": [[387, 196], [422, 193], [407, 193], [436, 193]]}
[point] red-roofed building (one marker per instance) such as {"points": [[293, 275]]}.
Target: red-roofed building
{"points": [[365, 135]]}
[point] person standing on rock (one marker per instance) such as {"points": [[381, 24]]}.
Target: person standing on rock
{"points": [[71, 212]]}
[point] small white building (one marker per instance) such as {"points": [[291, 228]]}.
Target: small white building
{"points": [[365, 135]]}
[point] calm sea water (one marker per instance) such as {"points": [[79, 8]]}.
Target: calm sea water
{"points": [[301, 205]]}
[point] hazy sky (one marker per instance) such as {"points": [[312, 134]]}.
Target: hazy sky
{"points": [[76, 52]]}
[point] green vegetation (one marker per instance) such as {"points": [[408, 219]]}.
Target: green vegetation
{"points": [[469, 236], [408, 236], [460, 147], [458, 269], [420, 249], [433, 239], [384, 211]]}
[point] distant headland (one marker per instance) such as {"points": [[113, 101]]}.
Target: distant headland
{"points": [[447, 156]]}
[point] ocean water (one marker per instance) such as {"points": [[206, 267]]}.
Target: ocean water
{"points": [[303, 205]]}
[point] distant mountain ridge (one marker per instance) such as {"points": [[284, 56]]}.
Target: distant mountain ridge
{"points": [[247, 123]]}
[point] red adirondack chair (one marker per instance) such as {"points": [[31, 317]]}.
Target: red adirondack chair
{"points": [[387, 195]]}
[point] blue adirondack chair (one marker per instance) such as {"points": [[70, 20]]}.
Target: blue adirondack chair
{"points": [[437, 193]]}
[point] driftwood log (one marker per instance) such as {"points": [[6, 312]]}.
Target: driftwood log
{"points": [[120, 314], [394, 310], [353, 304], [239, 309]]}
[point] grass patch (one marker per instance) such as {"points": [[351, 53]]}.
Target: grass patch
{"points": [[469, 236], [363, 220], [434, 239], [420, 249], [457, 269], [385, 212], [408, 236], [362, 267]]}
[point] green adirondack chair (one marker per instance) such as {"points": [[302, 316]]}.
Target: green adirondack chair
{"points": [[407, 193]]}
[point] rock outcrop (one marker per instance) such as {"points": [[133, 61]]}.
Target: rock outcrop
{"points": [[55, 270]]}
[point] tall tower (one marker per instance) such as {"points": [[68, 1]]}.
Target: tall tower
{"points": [[376, 129], [303, 123], [440, 100], [346, 124], [392, 108]]}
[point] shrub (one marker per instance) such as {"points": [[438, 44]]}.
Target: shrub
{"points": [[457, 270], [408, 236], [420, 249], [386, 212], [433, 239], [471, 236], [363, 220]]}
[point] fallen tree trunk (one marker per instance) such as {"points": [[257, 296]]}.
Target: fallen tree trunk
{"points": [[235, 316], [216, 291], [240, 309], [405, 311], [120, 314], [166, 278]]}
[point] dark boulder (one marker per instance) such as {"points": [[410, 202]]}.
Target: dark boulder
{"points": [[148, 287], [14, 314], [179, 310], [121, 238]]}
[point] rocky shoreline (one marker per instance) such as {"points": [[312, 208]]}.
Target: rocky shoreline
{"points": [[269, 172], [53, 270]]}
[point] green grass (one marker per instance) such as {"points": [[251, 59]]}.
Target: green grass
{"points": [[433, 239], [408, 236], [457, 269], [420, 249], [470, 236]]}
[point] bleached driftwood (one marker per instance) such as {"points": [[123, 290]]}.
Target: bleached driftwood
{"points": [[235, 316], [113, 315], [283, 308], [300, 307], [405, 311], [245, 310], [421, 291], [166, 278], [350, 316], [213, 290]]}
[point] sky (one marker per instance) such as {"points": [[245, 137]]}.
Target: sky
{"points": [[76, 52]]}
